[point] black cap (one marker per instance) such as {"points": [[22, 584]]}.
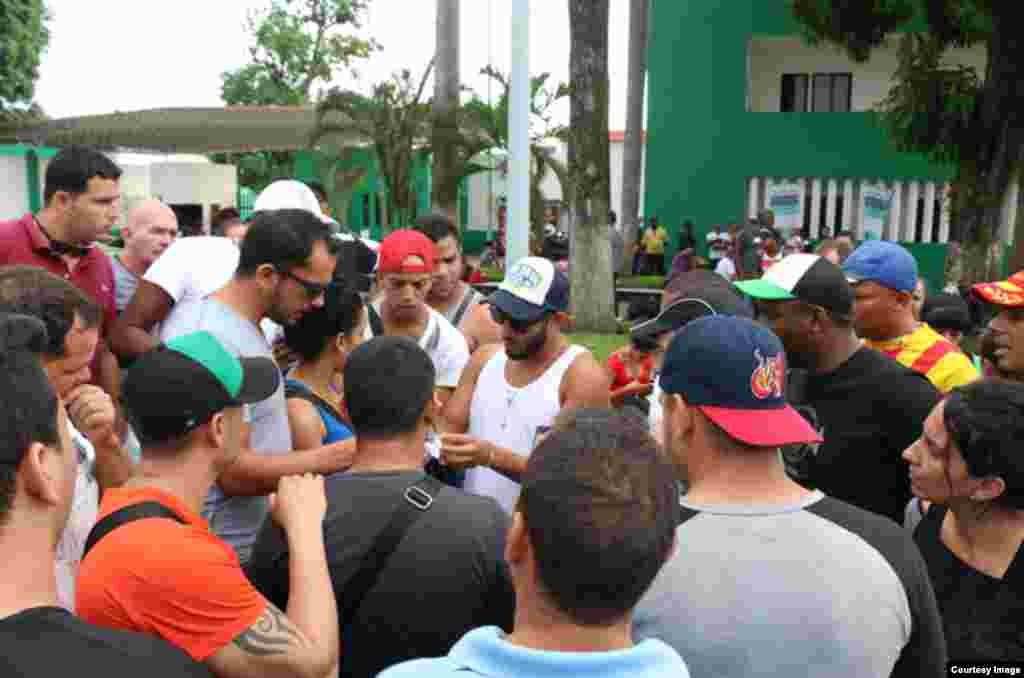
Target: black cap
{"points": [[182, 384]]}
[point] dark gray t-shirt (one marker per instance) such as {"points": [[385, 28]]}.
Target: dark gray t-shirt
{"points": [[446, 577], [236, 520], [814, 589]]}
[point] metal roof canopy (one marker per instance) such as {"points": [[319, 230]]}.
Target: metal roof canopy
{"points": [[185, 130]]}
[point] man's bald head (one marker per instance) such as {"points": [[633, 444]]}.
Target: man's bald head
{"points": [[152, 227]]}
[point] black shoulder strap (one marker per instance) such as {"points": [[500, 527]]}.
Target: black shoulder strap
{"points": [[128, 514], [467, 299], [376, 323], [416, 500]]}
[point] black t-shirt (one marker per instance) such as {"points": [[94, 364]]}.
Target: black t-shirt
{"points": [[983, 617], [870, 409], [49, 641], [446, 577]]}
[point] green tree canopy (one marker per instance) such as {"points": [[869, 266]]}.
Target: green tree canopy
{"points": [[23, 38], [296, 44]]}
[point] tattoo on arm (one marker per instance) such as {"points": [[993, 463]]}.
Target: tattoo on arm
{"points": [[271, 635]]}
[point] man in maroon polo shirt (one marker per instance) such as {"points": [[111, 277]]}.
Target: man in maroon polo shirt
{"points": [[81, 199]]}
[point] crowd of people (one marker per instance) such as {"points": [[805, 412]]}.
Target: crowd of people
{"points": [[278, 450]]}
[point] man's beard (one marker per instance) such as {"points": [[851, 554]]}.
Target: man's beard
{"points": [[532, 347]]}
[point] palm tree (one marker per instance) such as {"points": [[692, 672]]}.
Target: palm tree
{"points": [[394, 119], [493, 123], [633, 146], [445, 136], [588, 170]]}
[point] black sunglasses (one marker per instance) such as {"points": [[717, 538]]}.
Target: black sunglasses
{"points": [[518, 326], [313, 290]]}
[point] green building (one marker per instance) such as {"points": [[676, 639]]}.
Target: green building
{"points": [[741, 110]]}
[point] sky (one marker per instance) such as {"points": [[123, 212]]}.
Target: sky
{"points": [[131, 55]]}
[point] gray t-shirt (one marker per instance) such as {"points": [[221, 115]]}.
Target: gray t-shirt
{"points": [[812, 589], [125, 283], [236, 520]]}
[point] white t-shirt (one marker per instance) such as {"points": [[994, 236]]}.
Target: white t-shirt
{"points": [[192, 268], [445, 345], [196, 267], [85, 505], [726, 268]]}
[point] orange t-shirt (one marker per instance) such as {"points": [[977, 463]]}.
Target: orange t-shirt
{"points": [[157, 576]]}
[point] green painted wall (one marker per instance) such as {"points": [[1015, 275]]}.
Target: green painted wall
{"points": [[703, 145]]}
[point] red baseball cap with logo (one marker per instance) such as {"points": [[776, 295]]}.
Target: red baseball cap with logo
{"points": [[1008, 292], [406, 251]]}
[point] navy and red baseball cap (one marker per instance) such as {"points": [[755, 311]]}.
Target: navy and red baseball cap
{"points": [[734, 371]]}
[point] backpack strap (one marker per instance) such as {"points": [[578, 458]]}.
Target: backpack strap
{"points": [[416, 500], [125, 515], [467, 300], [376, 322]]}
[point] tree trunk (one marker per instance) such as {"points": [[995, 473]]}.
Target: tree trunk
{"points": [[633, 146], [994, 155], [588, 164], [445, 109]]}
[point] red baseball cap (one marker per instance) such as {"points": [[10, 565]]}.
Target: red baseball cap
{"points": [[397, 248]]}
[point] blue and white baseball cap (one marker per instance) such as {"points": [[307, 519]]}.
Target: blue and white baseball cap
{"points": [[734, 371], [532, 288], [886, 263]]}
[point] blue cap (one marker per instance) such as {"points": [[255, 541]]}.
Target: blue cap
{"points": [[886, 263], [734, 371]]}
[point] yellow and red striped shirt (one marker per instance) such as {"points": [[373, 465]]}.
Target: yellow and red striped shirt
{"points": [[928, 352]]}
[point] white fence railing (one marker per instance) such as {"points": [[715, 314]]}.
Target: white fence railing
{"points": [[918, 209]]}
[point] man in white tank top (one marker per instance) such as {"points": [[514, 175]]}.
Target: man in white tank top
{"points": [[511, 392], [449, 295]]}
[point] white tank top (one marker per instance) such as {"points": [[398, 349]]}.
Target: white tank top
{"points": [[509, 417]]}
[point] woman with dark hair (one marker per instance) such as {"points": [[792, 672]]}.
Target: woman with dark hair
{"points": [[969, 465], [322, 338]]}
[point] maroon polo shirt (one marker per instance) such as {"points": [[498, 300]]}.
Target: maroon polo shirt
{"points": [[21, 242]]}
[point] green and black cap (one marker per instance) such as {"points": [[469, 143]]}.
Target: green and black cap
{"points": [[179, 386], [805, 277]]}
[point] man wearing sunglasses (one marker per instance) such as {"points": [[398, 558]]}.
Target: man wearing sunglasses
{"points": [[510, 393], [285, 264], [871, 408]]}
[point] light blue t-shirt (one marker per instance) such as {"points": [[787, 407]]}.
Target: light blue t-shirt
{"points": [[237, 520], [484, 652]]}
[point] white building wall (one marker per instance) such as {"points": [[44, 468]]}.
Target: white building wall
{"points": [[770, 58], [13, 187]]}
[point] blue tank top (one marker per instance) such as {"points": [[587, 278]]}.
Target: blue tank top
{"points": [[336, 429]]}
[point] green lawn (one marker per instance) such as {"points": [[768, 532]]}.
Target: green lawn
{"points": [[601, 345]]}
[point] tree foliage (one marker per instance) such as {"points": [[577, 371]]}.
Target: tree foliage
{"points": [[24, 37], [296, 44], [951, 114], [493, 120], [395, 119]]}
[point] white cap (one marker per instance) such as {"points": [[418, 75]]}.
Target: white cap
{"points": [[287, 194]]}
